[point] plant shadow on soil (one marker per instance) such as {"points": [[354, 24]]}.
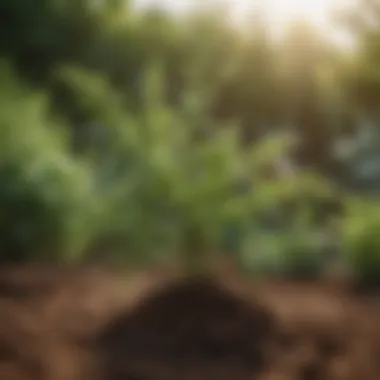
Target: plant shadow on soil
{"points": [[56, 325]]}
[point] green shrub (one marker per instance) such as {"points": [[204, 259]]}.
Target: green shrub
{"points": [[361, 239], [293, 254], [45, 196], [167, 192], [285, 238]]}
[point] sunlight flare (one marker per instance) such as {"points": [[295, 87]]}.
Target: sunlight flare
{"points": [[280, 14]]}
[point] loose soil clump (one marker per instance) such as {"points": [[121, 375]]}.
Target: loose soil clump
{"points": [[189, 329]]}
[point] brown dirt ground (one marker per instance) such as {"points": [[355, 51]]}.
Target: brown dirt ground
{"points": [[94, 324]]}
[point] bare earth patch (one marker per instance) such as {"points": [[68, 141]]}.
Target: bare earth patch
{"points": [[96, 324]]}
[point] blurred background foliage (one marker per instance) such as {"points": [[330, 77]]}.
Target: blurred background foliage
{"points": [[143, 137]]}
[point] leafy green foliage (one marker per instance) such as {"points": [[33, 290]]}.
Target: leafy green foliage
{"points": [[361, 239], [44, 194], [161, 138]]}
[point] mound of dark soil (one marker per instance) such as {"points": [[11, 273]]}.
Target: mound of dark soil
{"points": [[58, 324], [191, 328]]}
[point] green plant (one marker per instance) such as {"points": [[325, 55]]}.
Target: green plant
{"points": [[361, 240], [46, 201]]}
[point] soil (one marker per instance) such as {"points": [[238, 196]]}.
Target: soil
{"points": [[96, 324], [191, 327]]}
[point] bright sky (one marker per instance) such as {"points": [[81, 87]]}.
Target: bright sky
{"points": [[279, 13]]}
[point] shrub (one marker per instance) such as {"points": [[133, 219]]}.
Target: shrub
{"points": [[45, 196], [361, 239]]}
